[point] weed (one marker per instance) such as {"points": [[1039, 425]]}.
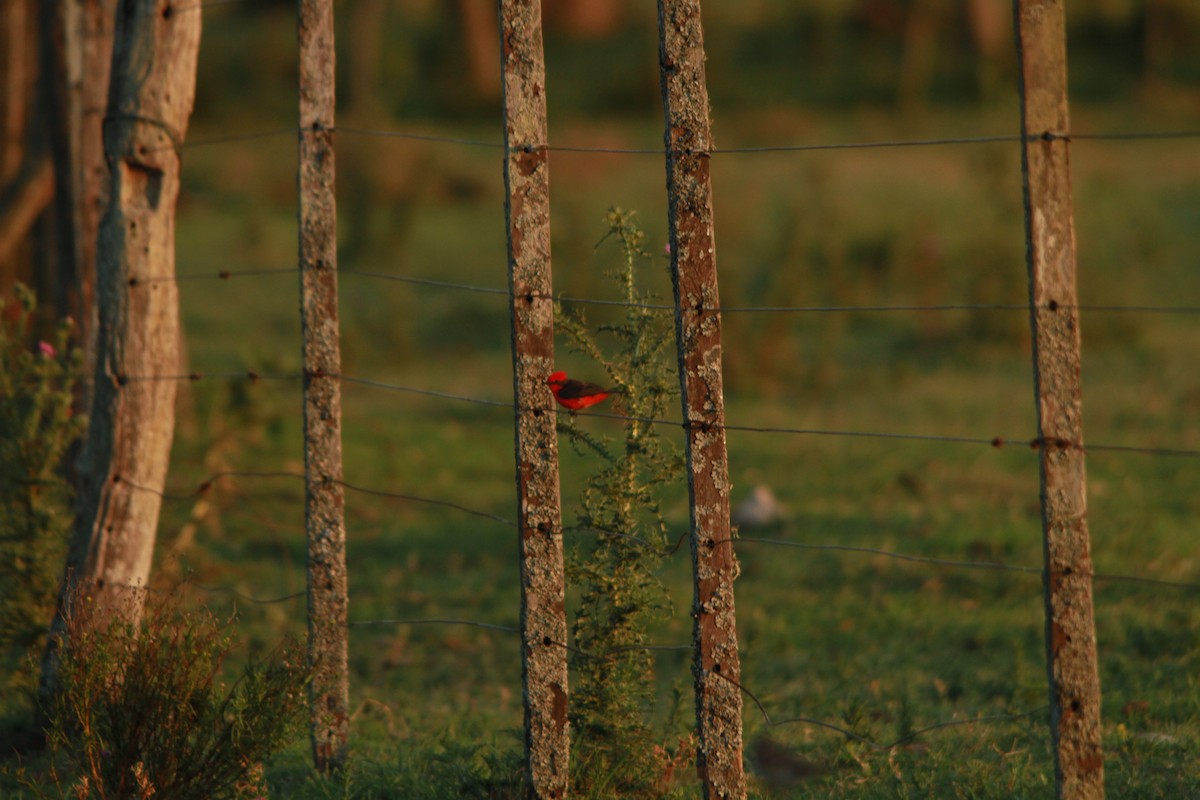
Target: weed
{"points": [[616, 569], [143, 711]]}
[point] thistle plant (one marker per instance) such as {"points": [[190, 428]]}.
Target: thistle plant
{"points": [[622, 535]]}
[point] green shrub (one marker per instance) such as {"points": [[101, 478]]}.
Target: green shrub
{"points": [[37, 427]]}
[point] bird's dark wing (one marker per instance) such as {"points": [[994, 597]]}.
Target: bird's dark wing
{"points": [[573, 389]]}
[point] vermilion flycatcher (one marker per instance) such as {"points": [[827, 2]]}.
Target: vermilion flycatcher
{"points": [[574, 394]]}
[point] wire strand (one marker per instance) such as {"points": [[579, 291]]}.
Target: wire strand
{"points": [[781, 148], [392, 387], [207, 484], [962, 564], [433, 621], [995, 442], [779, 309], [425, 282], [773, 723]]}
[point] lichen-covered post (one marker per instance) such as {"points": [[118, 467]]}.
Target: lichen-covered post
{"points": [[1050, 236], [539, 513], [717, 667], [328, 595]]}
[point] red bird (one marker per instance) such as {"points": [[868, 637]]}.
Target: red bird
{"points": [[574, 394]]}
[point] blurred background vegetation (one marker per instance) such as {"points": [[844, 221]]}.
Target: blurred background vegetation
{"points": [[421, 59]]}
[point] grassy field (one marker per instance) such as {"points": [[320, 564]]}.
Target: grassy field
{"points": [[856, 639], [860, 640]]}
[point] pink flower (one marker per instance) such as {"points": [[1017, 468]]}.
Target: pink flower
{"points": [[47, 349]]}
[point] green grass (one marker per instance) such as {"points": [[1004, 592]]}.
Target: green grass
{"points": [[859, 640]]}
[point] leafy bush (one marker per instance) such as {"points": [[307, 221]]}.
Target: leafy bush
{"points": [[37, 427]]}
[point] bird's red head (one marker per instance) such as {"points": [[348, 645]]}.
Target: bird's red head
{"points": [[556, 379]]}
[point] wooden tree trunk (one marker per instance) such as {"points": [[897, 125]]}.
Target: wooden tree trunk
{"points": [[18, 37], [77, 38], [324, 500], [125, 457], [53, 176], [1050, 234], [527, 212], [26, 174], [24, 199]]}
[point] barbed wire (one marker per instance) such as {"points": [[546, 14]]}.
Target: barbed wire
{"points": [[669, 550], [996, 566], [392, 495], [204, 486], [787, 148], [207, 484], [607, 655], [248, 375], [233, 590], [234, 138], [464, 287], [381, 133], [995, 442], [225, 274], [434, 621], [1125, 136], [773, 723], [663, 551], [666, 551], [615, 652], [392, 387], [846, 548], [882, 144]]}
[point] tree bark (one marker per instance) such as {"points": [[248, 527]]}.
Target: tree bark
{"points": [[22, 201], [26, 187], [125, 457], [77, 45]]}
